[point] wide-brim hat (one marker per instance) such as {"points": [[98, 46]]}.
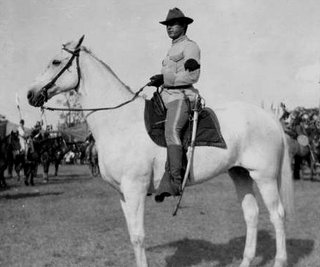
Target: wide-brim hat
{"points": [[176, 14]]}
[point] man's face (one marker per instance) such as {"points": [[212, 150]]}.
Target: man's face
{"points": [[175, 30]]}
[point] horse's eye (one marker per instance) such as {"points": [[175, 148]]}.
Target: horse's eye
{"points": [[56, 62]]}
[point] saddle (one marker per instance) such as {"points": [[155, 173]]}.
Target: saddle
{"points": [[208, 130]]}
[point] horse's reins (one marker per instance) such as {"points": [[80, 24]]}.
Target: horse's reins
{"points": [[75, 55], [136, 94]]}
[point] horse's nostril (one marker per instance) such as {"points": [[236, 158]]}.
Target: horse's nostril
{"points": [[30, 95]]}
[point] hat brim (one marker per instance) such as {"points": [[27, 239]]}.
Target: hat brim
{"points": [[185, 19]]}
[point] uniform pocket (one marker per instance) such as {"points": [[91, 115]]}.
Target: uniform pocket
{"points": [[177, 57]]}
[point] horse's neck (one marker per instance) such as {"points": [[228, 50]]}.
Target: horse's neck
{"points": [[100, 87]]}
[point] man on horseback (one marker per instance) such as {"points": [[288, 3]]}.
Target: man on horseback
{"points": [[35, 133], [180, 70], [22, 136]]}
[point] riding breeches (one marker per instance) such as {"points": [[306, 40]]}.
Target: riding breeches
{"points": [[177, 117]]}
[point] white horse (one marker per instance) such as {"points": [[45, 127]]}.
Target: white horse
{"points": [[128, 159]]}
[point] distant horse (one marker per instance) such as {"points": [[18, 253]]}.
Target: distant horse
{"points": [[311, 155], [32, 157], [52, 150], [16, 162], [132, 163], [92, 156], [82, 150], [303, 148], [8, 147]]}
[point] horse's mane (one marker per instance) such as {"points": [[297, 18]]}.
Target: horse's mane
{"points": [[85, 49]]}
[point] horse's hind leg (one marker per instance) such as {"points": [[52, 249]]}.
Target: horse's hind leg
{"points": [[17, 169], [27, 175], [270, 194], [244, 188], [133, 208]]}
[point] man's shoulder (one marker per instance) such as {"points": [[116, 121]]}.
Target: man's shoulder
{"points": [[188, 40], [191, 43]]}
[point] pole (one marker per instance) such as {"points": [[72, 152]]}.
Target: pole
{"points": [[189, 154], [44, 118], [18, 106]]}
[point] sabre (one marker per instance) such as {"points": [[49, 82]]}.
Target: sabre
{"points": [[189, 153]]}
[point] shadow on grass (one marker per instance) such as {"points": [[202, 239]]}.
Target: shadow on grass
{"points": [[190, 252], [29, 195]]}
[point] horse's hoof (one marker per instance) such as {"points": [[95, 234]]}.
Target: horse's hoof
{"points": [[280, 263], [245, 262], [5, 186], [26, 183], [159, 198]]}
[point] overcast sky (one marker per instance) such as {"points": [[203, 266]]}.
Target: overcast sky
{"points": [[250, 50]]}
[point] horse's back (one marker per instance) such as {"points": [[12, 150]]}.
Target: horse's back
{"points": [[240, 118]]}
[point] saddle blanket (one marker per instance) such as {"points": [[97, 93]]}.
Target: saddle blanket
{"points": [[208, 130]]}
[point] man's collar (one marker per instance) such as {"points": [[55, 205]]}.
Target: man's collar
{"points": [[180, 39]]}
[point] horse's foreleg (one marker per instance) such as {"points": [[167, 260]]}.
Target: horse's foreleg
{"points": [[270, 194], [246, 196], [312, 169], [56, 167], [45, 175], [27, 174], [133, 207], [17, 168], [10, 169]]}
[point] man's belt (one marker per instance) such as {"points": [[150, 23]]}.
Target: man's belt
{"points": [[178, 87]]}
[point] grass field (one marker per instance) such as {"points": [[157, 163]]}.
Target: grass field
{"points": [[76, 220]]}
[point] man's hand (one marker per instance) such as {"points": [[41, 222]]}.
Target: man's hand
{"points": [[156, 80]]}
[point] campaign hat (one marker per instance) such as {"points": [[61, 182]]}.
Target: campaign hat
{"points": [[176, 14]]}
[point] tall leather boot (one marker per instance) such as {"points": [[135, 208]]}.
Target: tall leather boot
{"points": [[170, 184], [175, 153], [165, 188]]}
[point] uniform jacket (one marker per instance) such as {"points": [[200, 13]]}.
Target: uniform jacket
{"points": [[174, 73]]}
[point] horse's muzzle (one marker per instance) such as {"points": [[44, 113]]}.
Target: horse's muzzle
{"points": [[36, 100]]}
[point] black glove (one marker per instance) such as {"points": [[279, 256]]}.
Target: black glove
{"points": [[156, 80], [191, 65]]}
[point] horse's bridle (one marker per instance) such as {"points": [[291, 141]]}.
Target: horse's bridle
{"points": [[74, 55]]}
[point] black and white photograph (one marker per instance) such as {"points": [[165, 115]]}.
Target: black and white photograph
{"points": [[172, 133]]}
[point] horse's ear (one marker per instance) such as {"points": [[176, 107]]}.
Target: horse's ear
{"points": [[80, 42]]}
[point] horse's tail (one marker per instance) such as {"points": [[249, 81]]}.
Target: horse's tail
{"points": [[285, 180]]}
